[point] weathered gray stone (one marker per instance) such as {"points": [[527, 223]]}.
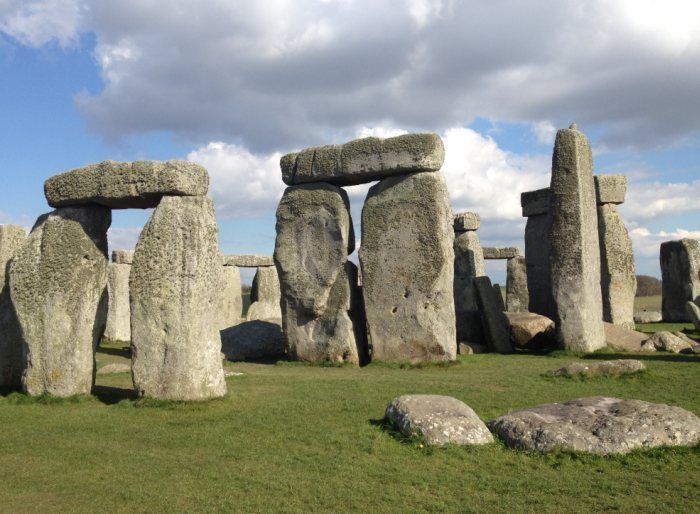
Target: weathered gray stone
{"points": [[126, 185], [265, 295], [535, 203], [11, 362], [530, 330], [574, 245], [622, 339], [253, 340], [618, 280], [665, 341], [597, 425], [123, 256], [58, 282], [249, 261], [539, 284], [610, 188], [465, 221], [321, 307], [469, 263], [680, 278], [647, 317], [692, 342], [230, 298], [407, 260], [364, 160], [115, 367], [439, 420], [498, 295], [693, 312], [508, 252], [614, 368], [495, 321], [174, 286], [472, 348], [118, 326], [517, 296]]}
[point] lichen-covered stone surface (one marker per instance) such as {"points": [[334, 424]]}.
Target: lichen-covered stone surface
{"points": [[494, 319], [364, 160], [665, 341], [610, 188], [438, 420], [598, 425], [464, 221], [517, 296], [249, 261], [574, 245], [535, 203], [613, 368], [265, 295], [11, 362], [174, 285], [407, 260], [680, 278], [118, 326], [123, 256], [539, 284], [231, 306], [126, 185], [58, 285], [469, 263], [253, 340]]}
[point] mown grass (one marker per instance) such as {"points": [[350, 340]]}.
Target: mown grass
{"points": [[298, 438], [647, 303]]}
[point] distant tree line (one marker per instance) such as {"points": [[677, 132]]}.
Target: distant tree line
{"points": [[648, 286]]}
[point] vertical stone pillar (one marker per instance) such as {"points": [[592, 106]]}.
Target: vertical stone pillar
{"points": [[575, 249], [11, 362], [118, 312], [517, 297], [174, 286], [320, 317], [469, 264], [407, 260], [618, 280], [535, 205], [231, 309], [58, 282], [680, 278], [265, 295]]}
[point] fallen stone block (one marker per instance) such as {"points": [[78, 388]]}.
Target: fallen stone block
{"points": [[613, 368], [530, 330], [647, 317], [665, 341], [622, 339]]}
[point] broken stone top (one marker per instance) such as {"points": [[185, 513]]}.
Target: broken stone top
{"points": [[364, 160], [123, 256], [509, 252], [610, 188], [465, 221], [126, 185], [249, 261], [535, 202]]}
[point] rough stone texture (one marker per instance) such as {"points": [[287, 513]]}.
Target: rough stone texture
{"points": [[530, 330], [364, 160], [11, 362], [669, 342], [109, 369], [597, 425], [472, 348], [508, 252], [622, 339], [465, 221], [495, 321], [539, 285], [249, 261], [174, 285], [647, 317], [126, 185], [618, 280], [469, 263], [680, 278], [407, 260], [321, 306], [693, 312], [692, 342], [123, 256], [253, 340], [118, 326], [58, 282], [265, 295], [610, 188], [574, 245], [535, 203], [230, 297], [614, 368], [517, 296], [439, 420]]}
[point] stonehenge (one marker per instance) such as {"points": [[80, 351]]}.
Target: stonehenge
{"points": [[680, 278], [231, 301], [11, 361], [469, 264], [265, 295], [118, 327], [535, 205], [517, 294]]}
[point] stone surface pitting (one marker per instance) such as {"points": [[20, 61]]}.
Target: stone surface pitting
{"points": [[439, 420], [469, 263], [680, 278], [122, 256], [249, 261], [495, 321], [124, 185], [610, 188], [364, 160], [535, 203], [11, 362], [517, 296], [465, 221], [118, 326], [597, 425], [613, 368], [508, 252]]}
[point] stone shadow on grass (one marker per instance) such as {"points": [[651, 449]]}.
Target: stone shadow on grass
{"points": [[111, 395], [117, 352]]}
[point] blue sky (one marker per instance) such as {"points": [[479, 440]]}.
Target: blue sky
{"points": [[236, 85]]}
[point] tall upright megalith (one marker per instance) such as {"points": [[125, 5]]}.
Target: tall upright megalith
{"points": [[407, 260], [118, 312], [174, 298], [535, 205], [265, 295], [680, 278], [517, 296], [11, 362], [58, 284], [230, 297], [469, 264], [321, 317], [575, 253], [618, 279]]}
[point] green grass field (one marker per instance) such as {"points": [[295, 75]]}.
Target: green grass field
{"points": [[296, 438], [647, 303]]}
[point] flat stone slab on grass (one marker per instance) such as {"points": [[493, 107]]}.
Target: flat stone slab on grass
{"points": [[598, 425], [622, 339], [249, 261], [530, 330], [438, 419], [126, 185], [613, 368]]}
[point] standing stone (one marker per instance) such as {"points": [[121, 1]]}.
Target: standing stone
{"points": [[118, 313], [321, 314], [575, 253], [58, 282], [11, 239], [231, 298], [174, 298], [680, 278], [535, 206], [498, 296], [517, 297], [265, 295], [469, 263], [495, 321], [407, 260]]}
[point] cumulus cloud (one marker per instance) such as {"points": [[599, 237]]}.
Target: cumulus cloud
{"points": [[647, 200], [646, 246], [123, 238], [39, 22]]}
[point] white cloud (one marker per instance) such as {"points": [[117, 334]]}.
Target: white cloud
{"points": [[647, 200], [123, 238], [646, 247], [545, 132], [38, 22]]}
